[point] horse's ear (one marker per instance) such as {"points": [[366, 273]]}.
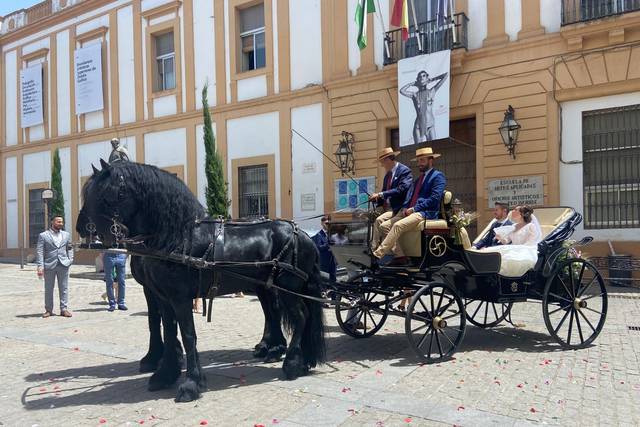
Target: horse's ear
{"points": [[95, 170], [104, 164]]}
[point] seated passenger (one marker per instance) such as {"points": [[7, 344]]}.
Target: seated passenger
{"points": [[500, 212], [520, 242]]}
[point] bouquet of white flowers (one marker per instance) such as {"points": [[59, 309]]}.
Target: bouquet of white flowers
{"points": [[461, 220]]}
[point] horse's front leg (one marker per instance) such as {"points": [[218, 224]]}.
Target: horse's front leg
{"points": [[296, 311], [196, 381], [169, 370], [150, 362], [273, 343]]}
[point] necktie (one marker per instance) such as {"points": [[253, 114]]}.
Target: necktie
{"points": [[416, 191], [387, 181]]}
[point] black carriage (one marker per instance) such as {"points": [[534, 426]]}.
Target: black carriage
{"points": [[450, 284]]}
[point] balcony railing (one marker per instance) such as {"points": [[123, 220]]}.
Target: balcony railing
{"points": [[587, 10], [39, 11], [435, 35]]}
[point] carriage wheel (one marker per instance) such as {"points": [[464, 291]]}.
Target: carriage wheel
{"points": [[484, 314], [574, 303], [362, 314], [435, 322]]}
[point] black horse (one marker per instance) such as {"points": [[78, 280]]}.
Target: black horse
{"points": [[133, 199]]}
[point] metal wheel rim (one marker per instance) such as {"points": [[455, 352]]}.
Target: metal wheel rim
{"points": [[371, 318], [490, 314], [574, 305], [430, 342]]}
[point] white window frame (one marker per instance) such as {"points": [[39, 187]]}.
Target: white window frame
{"points": [[161, 83], [253, 33]]}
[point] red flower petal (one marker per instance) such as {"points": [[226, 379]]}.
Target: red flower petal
{"points": [[141, 422], [204, 422], [533, 410], [496, 382], [520, 385], [460, 408], [408, 420], [258, 425], [346, 389], [43, 389], [76, 349], [102, 421], [275, 421], [378, 372]]}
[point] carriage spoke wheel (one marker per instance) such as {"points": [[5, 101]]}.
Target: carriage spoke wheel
{"points": [[485, 314], [435, 322], [574, 303], [362, 314]]}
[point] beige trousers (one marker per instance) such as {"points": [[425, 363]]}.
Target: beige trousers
{"points": [[377, 232], [393, 228]]}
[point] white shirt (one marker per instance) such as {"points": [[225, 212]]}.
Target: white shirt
{"points": [[57, 236], [393, 172]]}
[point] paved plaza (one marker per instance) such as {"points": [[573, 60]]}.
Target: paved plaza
{"points": [[84, 370]]}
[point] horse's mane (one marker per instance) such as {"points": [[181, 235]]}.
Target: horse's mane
{"points": [[170, 207]]}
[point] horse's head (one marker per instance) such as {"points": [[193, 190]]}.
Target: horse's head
{"points": [[110, 206]]}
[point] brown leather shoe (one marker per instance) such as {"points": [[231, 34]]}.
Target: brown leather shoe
{"points": [[65, 313], [46, 314]]}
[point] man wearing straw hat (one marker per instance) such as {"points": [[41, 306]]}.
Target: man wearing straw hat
{"points": [[397, 181], [422, 202]]}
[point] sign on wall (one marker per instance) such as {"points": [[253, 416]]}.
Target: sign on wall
{"points": [[32, 100], [354, 194], [519, 190], [88, 79], [423, 86]]}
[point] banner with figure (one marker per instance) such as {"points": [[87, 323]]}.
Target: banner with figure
{"points": [[423, 86], [88, 79], [31, 90]]}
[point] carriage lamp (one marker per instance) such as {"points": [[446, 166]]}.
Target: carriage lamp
{"points": [[509, 130], [457, 206], [344, 154]]}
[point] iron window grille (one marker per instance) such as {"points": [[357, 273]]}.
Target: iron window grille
{"points": [[253, 185], [586, 10], [611, 167], [252, 38], [165, 62], [36, 216]]}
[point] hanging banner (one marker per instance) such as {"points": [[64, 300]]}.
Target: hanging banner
{"points": [[32, 100], [88, 78], [352, 194], [423, 86]]}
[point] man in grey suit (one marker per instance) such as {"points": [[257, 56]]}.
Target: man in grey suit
{"points": [[54, 256]]}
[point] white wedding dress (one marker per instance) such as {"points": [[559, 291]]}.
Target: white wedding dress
{"points": [[521, 254]]}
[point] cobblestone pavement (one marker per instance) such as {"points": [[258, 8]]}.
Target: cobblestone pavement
{"points": [[83, 370]]}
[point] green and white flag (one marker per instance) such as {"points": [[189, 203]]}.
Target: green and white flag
{"points": [[364, 7]]}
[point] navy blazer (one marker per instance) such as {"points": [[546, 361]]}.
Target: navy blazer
{"points": [[398, 187], [489, 239], [327, 260], [431, 192]]}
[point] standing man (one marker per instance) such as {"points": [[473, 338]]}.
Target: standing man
{"points": [[54, 256], [118, 152], [397, 181], [500, 212], [119, 262], [321, 239], [422, 202]]}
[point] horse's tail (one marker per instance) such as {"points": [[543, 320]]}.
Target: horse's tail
{"points": [[313, 344]]}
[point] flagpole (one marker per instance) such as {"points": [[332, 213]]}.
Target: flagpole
{"points": [[415, 24], [384, 30]]}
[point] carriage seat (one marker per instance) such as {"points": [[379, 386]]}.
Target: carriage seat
{"points": [[411, 242]]}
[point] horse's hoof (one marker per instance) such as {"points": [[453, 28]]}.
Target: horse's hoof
{"points": [[162, 379], [275, 353], [188, 391], [260, 351], [202, 383], [148, 366], [294, 367]]}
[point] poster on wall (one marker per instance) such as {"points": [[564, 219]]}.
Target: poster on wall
{"points": [[517, 190], [32, 100], [88, 79], [352, 194], [423, 97]]}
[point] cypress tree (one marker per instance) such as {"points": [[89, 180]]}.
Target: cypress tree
{"points": [[216, 189], [56, 207]]}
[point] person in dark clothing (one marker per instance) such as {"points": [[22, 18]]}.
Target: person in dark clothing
{"points": [[500, 212], [321, 239]]}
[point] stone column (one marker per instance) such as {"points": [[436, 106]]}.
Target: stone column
{"points": [[495, 24], [530, 19]]}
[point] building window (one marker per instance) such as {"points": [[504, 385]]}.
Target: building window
{"points": [[36, 215], [253, 187], [252, 43], [611, 167], [165, 78]]}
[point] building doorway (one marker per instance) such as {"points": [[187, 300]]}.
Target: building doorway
{"points": [[458, 162]]}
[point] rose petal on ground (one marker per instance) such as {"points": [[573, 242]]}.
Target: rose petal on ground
{"points": [[141, 422], [102, 421], [275, 421], [520, 385], [345, 389], [76, 349], [408, 420], [204, 422], [460, 408], [258, 425], [56, 387], [378, 372], [496, 382], [43, 389], [533, 410]]}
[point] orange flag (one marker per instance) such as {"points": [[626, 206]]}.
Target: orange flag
{"points": [[400, 17]]}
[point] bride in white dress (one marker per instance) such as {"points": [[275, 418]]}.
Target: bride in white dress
{"points": [[520, 242]]}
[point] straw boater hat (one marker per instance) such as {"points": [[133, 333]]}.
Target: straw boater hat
{"points": [[386, 152], [426, 151]]}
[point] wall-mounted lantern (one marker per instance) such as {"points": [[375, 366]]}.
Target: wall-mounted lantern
{"points": [[344, 154], [509, 130]]}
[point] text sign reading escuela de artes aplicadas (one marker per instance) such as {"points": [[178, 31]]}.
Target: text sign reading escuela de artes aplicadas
{"points": [[518, 190]]}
